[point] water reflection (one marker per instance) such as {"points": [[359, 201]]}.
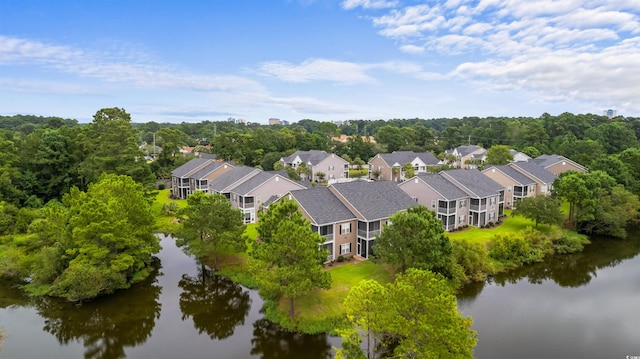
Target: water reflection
{"points": [[106, 325], [215, 304], [272, 342], [568, 271]]}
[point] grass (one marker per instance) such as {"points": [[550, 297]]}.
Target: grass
{"points": [[511, 224], [165, 224]]}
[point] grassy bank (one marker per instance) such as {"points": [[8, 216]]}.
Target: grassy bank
{"points": [[165, 224]]}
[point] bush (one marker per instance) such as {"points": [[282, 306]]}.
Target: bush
{"points": [[473, 261], [569, 242], [169, 209], [517, 250], [340, 259], [161, 186]]}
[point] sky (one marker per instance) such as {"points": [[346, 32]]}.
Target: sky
{"points": [[197, 60]]}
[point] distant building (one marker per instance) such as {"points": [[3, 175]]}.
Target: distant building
{"points": [[610, 113], [274, 121]]}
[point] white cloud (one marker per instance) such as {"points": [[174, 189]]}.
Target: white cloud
{"points": [[368, 4], [412, 21], [317, 70], [412, 49]]}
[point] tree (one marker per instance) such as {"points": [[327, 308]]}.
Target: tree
{"points": [[414, 317], [390, 136], [109, 243], [408, 170], [499, 155], [303, 170], [110, 144], [540, 209], [415, 239], [286, 260], [208, 222], [320, 176]]}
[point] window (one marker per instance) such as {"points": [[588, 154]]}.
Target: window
{"points": [[415, 198], [492, 200], [345, 228], [492, 215], [463, 203], [331, 168], [461, 219], [509, 189], [345, 248], [433, 203]]}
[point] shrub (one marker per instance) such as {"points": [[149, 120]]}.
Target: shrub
{"points": [[340, 259], [161, 186], [569, 242], [514, 249], [473, 261], [169, 209]]}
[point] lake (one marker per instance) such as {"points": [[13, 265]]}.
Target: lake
{"points": [[576, 306]]}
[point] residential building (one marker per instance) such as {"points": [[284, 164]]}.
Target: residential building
{"points": [[330, 218], [518, 185], [237, 175], [434, 191], [199, 180], [388, 166], [486, 197], [557, 164], [248, 195], [519, 156], [467, 157], [543, 178], [180, 177], [372, 203], [331, 165]]}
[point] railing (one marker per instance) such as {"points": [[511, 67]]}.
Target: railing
{"points": [[446, 210], [327, 237], [368, 234], [477, 208]]}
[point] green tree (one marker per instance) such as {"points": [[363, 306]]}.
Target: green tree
{"points": [[408, 170], [207, 223], [390, 136], [414, 317], [110, 143], [540, 209], [499, 155], [415, 239], [286, 260], [111, 241]]}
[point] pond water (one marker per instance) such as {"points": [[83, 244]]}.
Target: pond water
{"points": [[177, 313], [577, 306]]}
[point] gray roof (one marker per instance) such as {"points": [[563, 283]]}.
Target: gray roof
{"points": [[477, 184], [322, 205], [254, 182], [210, 167], [313, 156], [221, 183], [550, 160], [188, 167], [465, 150], [374, 200], [514, 174], [535, 170], [402, 157], [447, 189]]}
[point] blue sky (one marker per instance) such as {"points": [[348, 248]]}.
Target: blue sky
{"points": [[175, 61]]}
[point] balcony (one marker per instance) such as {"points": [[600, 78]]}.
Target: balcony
{"points": [[368, 234], [478, 208], [445, 210]]}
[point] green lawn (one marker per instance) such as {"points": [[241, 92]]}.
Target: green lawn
{"points": [[511, 224], [165, 224], [322, 304]]}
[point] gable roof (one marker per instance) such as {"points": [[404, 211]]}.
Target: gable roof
{"points": [[208, 168], [550, 160], [230, 178], [465, 150], [189, 167], [473, 182], [313, 156], [374, 200], [512, 173], [535, 170], [402, 157], [258, 180], [441, 185], [322, 205]]}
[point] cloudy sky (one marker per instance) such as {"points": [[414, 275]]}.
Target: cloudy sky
{"points": [[327, 60]]}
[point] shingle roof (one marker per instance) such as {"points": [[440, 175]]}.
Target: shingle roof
{"points": [[221, 183], [313, 156], [254, 182], [210, 167], [188, 167], [447, 189], [479, 185], [550, 160], [402, 157], [514, 174], [322, 205], [374, 200], [536, 171], [465, 150]]}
